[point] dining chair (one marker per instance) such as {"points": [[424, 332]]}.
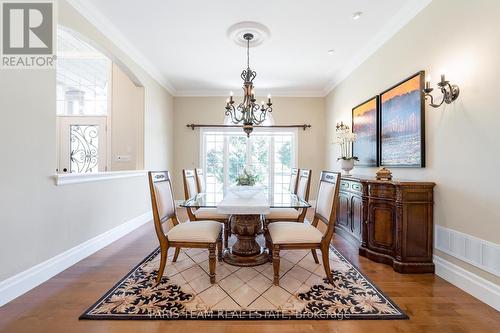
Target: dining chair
{"points": [[171, 233], [294, 178], [200, 180], [303, 184], [191, 188], [295, 236]]}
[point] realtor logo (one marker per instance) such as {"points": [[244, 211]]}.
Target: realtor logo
{"points": [[28, 30]]}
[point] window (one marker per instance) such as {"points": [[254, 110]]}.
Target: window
{"points": [[83, 76], [271, 153]]}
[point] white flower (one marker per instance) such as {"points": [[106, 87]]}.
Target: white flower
{"points": [[337, 141]]}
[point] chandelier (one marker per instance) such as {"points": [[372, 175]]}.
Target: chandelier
{"points": [[248, 112]]}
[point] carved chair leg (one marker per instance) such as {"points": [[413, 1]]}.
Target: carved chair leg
{"points": [[266, 224], [163, 262], [219, 248], [211, 262], [276, 264], [269, 245], [315, 256], [326, 262], [226, 233], [176, 254]]}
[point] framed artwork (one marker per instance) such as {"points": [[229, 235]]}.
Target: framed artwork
{"points": [[402, 123], [365, 126]]}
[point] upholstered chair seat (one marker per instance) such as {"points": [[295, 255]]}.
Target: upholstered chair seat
{"points": [[293, 233], [283, 213], [201, 231], [209, 214]]}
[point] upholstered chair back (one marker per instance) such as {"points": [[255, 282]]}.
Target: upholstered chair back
{"points": [[303, 184], [162, 202], [200, 180], [326, 202], [190, 186], [294, 177]]}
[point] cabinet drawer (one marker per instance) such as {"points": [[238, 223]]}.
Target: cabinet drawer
{"points": [[382, 191], [350, 186], [356, 187], [344, 185]]}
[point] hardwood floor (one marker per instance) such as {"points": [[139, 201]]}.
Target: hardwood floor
{"points": [[433, 304]]}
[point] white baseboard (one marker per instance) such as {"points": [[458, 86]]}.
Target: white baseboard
{"points": [[22, 282], [473, 284]]}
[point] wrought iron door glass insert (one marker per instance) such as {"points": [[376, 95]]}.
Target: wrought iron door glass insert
{"points": [[84, 144]]}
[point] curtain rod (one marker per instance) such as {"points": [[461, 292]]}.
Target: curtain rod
{"points": [[304, 127]]}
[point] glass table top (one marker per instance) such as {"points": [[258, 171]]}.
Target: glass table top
{"points": [[285, 200]]}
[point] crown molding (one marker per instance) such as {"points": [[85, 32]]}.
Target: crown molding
{"points": [[95, 17], [224, 93], [405, 15]]}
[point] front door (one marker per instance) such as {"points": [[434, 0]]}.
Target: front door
{"points": [[82, 144]]}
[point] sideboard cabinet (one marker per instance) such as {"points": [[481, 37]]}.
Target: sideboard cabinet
{"points": [[390, 221]]}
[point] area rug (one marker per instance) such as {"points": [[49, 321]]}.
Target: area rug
{"points": [[248, 293]]}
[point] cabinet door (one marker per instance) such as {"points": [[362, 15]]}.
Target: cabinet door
{"points": [[343, 211], [356, 216], [381, 226]]}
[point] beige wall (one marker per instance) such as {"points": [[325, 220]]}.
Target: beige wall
{"points": [[286, 111], [127, 122], [462, 138], [40, 220]]}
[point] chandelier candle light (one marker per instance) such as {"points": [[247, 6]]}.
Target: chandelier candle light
{"points": [[344, 139], [248, 112]]}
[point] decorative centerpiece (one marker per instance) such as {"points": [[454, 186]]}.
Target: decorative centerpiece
{"points": [[384, 174], [344, 139], [245, 184], [247, 178]]}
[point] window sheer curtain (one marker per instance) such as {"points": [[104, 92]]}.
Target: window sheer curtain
{"points": [[269, 152]]}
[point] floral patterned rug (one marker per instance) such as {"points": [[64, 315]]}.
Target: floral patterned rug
{"points": [[244, 293]]}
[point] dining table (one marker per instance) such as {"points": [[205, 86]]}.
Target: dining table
{"points": [[246, 216]]}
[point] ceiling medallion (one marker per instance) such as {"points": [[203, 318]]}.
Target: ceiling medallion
{"points": [[237, 31], [248, 112]]}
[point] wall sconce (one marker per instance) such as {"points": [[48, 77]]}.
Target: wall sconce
{"points": [[450, 91], [342, 127]]}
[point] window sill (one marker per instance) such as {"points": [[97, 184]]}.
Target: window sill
{"points": [[76, 178]]}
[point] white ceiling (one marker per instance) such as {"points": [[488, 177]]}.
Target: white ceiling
{"points": [[184, 44]]}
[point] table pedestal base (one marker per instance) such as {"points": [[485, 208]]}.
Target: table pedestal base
{"points": [[237, 260], [246, 251]]}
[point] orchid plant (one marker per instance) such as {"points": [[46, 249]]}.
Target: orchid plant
{"points": [[247, 177], [344, 138]]}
